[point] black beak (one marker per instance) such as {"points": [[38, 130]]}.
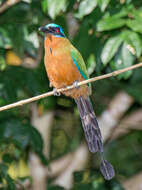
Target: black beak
{"points": [[44, 29]]}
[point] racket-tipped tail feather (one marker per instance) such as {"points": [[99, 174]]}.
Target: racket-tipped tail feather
{"points": [[93, 134]]}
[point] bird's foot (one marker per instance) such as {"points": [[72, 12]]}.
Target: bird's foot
{"points": [[75, 84], [55, 92]]}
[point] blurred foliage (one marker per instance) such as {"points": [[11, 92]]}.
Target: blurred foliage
{"points": [[132, 157], [88, 180], [109, 37]]}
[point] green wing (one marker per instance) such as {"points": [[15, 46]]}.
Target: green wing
{"points": [[79, 62]]}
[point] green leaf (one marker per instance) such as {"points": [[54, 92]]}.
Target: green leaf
{"points": [[55, 187], [7, 158], [135, 25], [91, 64], [56, 7], [123, 12], [103, 4], [110, 23], [134, 40], [110, 48], [44, 5], [86, 7], [21, 134], [92, 180], [23, 80], [137, 13], [2, 63], [129, 154], [5, 41], [123, 59], [14, 15], [10, 185], [3, 169]]}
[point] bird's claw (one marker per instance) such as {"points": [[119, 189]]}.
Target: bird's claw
{"points": [[75, 84], [55, 92]]}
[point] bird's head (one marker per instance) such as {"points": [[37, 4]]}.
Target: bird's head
{"points": [[52, 29]]}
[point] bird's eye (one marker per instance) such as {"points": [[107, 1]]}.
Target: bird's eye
{"points": [[57, 30]]}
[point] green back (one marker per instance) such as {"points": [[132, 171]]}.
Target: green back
{"points": [[79, 62]]}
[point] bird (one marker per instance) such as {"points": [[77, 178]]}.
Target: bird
{"points": [[65, 66]]}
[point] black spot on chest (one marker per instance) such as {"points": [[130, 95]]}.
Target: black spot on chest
{"points": [[50, 50]]}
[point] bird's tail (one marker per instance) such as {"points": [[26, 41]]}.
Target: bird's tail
{"points": [[93, 134], [90, 125]]}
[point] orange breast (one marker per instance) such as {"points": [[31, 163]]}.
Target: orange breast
{"points": [[60, 67]]}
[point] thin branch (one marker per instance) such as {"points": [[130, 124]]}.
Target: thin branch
{"points": [[8, 4], [29, 100]]}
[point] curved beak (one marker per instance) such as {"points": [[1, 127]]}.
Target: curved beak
{"points": [[44, 29]]}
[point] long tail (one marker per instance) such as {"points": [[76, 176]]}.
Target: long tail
{"points": [[93, 134], [90, 125]]}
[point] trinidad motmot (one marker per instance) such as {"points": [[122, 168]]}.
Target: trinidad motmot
{"points": [[65, 66]]}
